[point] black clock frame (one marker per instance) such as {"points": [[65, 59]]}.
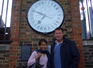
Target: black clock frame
{"points": [[42, 32]]}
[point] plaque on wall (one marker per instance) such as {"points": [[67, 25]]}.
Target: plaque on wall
{"points": [[25, 52]]}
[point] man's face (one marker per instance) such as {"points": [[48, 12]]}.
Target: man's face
{"points": [[59, 35]]}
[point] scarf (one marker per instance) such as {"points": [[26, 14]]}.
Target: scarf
{"points": [[42, 52], [48, 56]]}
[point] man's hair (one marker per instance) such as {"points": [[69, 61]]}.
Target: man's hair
{"points": [[59, 29]]}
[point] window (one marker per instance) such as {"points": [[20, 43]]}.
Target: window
{"points": [[86, 12], [5, 20]]}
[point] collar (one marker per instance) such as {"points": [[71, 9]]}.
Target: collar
{"points": [[59, 43]]}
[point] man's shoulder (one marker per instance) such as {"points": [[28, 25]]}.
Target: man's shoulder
{"points": [[68, 41]]}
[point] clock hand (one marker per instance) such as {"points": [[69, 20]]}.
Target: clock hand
{"points": [[42, 14], [39, 12], [48, 17], [41, 19]]}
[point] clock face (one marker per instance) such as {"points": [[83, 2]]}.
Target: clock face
{"points": [[45, 16]]}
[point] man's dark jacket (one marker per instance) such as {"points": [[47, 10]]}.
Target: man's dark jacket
{"points": [[69, 54]]}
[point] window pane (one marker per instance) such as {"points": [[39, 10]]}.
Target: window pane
{"points": [[86, 11], [9, 14], [5, 16], [6, 11]]}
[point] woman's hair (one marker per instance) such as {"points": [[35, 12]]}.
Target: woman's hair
{"points": [[42, 40]]}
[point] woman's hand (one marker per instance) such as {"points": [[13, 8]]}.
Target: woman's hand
{"points": [[38, 56]]}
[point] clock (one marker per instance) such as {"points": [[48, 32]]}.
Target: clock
{"points": [[45, 16]]}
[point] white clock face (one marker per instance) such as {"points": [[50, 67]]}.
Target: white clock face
{"points": [[45, 16]]}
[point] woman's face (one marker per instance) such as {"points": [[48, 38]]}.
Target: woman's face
{"points": [[43, 46]]}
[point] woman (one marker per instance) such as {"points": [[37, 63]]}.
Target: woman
{"points": [[42, 54]]}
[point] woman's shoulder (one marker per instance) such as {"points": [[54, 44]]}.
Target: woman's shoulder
{"points": [[34, 52]]}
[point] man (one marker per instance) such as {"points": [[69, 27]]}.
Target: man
{"points": [[64, 53]]}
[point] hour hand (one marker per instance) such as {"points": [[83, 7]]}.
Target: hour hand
{"points": [[41, 19]]}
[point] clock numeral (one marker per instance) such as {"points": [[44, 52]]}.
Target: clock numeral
{"points": [[49, 28], [35, 7], [51, 4], [31, 18], [44, 28], [33, 22], [32, 11], [58, 18], [31, 14], [52, 26], [41, 28], [57, 8], [57, 22], [38, 27], [39, 4], [54, 5], [42, 2], [59, 14]]}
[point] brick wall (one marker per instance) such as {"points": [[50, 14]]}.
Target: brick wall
{"points": [[76, 26], [14, 48], [21, 33], [88, 53], [4, 59]]}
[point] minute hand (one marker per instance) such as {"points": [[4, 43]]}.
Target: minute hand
{"points": [[42, 14], [38, 12]]}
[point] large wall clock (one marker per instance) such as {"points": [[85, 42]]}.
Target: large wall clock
{"points": [[45, 16]]}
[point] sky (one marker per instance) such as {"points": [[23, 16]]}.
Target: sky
{"points": [[8, 21]]}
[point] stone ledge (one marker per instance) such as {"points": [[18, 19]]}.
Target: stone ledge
{"points": [[87, 42], [4, 47], [5, 41]]}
